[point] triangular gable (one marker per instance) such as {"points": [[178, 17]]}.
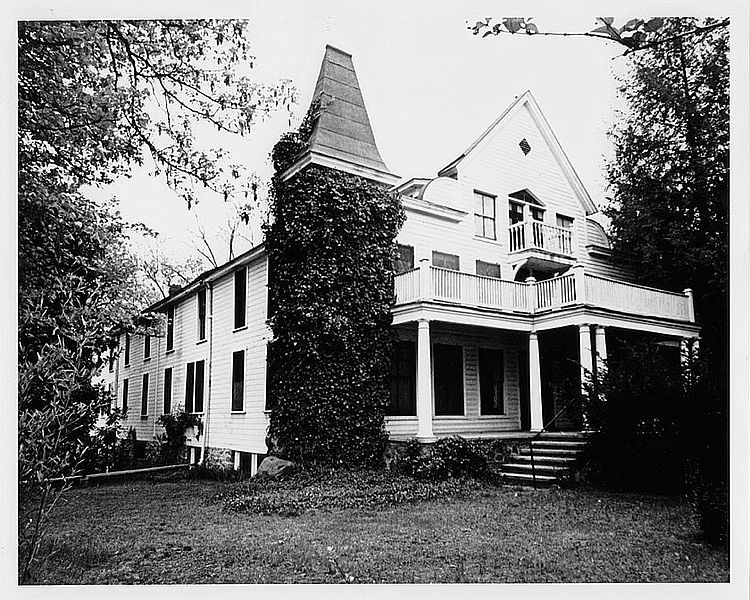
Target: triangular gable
{"points": [[527, 99]]}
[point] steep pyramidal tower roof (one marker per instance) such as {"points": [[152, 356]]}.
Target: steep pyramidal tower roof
{"points": [[342, 137]]}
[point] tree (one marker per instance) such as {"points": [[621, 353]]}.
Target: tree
{"points": [[96, 98]]}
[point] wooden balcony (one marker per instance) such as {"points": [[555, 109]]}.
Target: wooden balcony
{"points": [[535, 235], [575, 288]]}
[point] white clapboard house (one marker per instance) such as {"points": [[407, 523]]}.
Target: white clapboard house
{"points": [[504, 273]]}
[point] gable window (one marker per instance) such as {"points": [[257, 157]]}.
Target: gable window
{"points": [[202, 314], [127, 349], [146, 347], [484, 215], [240, 297], [445, 261], [448, 377], [515, 212], [403, 380], [491, 382], [170, 328], [238, 380], [144, 396], [404, 260], [194, 387], [124, 396], [167, 390], [486, 269]]}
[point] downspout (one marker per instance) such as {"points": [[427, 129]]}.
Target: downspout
{"points": [[210, 369], [156, 387]]}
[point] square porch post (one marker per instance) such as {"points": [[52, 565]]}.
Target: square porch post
{"points": [[535, 383], [424, 383], [601, 348]]}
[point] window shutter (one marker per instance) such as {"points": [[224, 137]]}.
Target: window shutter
{"points": [[199, 386], [189, 387]]}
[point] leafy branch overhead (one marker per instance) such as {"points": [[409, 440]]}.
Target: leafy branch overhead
{"points": [[635, 34]]}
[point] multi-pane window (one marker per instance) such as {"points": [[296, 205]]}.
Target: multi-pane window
{"points": [[170, 328], [515, 212], [488, 269], [124, 396], [491, 382], [127, 349], [484, 215], [240, 297], [536, 213], [144, 395], [565, 239], [146, 347], [167, 390], [448, 378], [238, 380], [202, 314], [446, 261], [403, 380], [564, 222], [194, 387], [404, 258]]}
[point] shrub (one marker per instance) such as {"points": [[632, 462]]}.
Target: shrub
{"points": [[449, 457], [711, 502], [175, 424], [105, 442]]}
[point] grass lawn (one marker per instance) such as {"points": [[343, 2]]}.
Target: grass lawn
{"points": [[175, 531]]}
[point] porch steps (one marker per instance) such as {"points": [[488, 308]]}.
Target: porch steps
{"points": [[556, 455]]}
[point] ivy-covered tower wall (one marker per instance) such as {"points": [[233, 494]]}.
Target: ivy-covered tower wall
{"points": [[330, 242]]}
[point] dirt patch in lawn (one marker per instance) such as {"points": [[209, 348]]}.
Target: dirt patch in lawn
{"points": [[178, 531]]}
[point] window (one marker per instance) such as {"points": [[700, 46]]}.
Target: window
{"points": [[564, 222], [167, 390], [127, 349], [240, 297], [484, 215], [202, 314], [448, 369], [170, 328], [515, 213], [238, 380], [491, 382], [404, 258], [146, 347], [564, 238], [403, 380], [194, 387], [446, 261], [144, 396], [488, 269], [124, 396], [111, 359], [537, 213]]}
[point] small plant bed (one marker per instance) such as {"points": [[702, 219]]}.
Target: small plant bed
{"points": [[332, 491]]}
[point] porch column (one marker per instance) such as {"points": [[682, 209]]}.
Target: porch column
{"points": [[584, 353], [535, 383], [601, 348], [424, 383]]}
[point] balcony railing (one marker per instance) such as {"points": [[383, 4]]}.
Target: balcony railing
{"points": [[428, 283], [535, 235]]}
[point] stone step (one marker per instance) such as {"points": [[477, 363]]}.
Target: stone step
{"points": [[565, 435], [562, 452], [544, 459], [528, 479], [540, 468], [567, 444]]}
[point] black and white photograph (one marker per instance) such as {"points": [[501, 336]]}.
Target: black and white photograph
{"points": [[327, 292]]}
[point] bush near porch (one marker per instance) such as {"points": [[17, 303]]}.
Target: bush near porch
{"points": [[169, 530]]}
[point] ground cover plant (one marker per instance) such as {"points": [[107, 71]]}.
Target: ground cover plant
{"points": [[169, 530]]}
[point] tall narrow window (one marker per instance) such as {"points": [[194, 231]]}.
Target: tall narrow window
{"points": [[240, 297], [189, 387], [484, 215], [491, 382], [170, 328], [124, 396], [404, 258], [111, 359], [515, 212], [448, 369], [127, 349], [446, 261], [146, 347], [198, 404], [167, 390], [403, 380], [144, 396], [238, 380], [202, 314]]}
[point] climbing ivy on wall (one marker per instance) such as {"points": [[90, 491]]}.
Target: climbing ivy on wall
{"points": [[330, 242]]}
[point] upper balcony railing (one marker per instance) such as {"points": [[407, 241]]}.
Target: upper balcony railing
{"points": [[575, 287], [535, 235]]}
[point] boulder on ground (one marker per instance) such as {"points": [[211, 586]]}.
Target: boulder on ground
{"points": [[275, 467]]}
